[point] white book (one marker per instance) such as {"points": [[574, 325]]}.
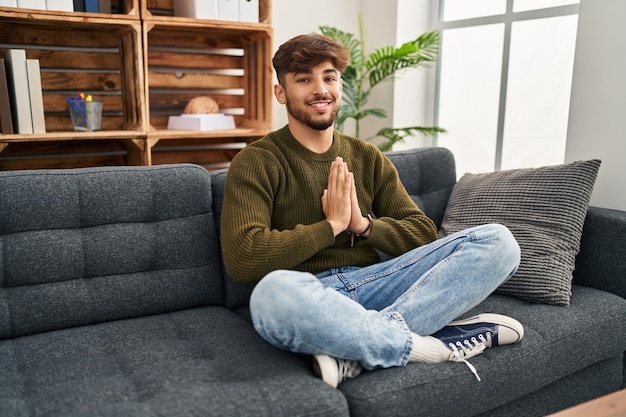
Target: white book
{"points": [[8, 3], [18, 87], [228, 9], [199, 9], [32, 4], [249, 11], [62, 5], [36, 95]]}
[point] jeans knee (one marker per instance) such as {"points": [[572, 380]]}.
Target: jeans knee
{"points": [[266, 291], [275, 297], [508, 248]]}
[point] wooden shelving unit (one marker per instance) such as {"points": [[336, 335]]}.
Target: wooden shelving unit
{"points": [[145, 64]]}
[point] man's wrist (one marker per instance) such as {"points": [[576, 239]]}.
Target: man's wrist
{"points": [[368, 228], [365, 233]]}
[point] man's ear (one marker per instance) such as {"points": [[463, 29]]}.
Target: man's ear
{"points": [[279, 92]]}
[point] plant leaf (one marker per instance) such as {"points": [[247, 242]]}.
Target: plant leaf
{"points": [[395, 135], [346, 39], [387, 61]]}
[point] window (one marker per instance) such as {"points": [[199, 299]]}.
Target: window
{"points": [[504, 80]]}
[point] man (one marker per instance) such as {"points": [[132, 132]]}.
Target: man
{"points": [[305, 210]]}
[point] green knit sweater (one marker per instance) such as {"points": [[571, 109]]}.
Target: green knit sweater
{"points": [[272, 215]]}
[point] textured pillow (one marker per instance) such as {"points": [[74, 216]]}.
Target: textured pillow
{"points": [[544, 208]]}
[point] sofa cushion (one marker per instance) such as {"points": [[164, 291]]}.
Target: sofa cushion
{"points": [[89, 245], [587, 384], [545, 210], [558, 342], [204, 361]]}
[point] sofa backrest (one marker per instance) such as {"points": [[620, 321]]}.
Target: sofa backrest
{"points": [[428, 174], [89, 245], [236, 294]]}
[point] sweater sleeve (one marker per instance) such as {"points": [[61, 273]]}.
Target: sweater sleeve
{"points": [[250, 247]]}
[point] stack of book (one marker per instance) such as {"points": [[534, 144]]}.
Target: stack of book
{"points": [[234, 10], [93, 6], [21, 95]]}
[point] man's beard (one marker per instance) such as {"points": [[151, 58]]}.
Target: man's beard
{"points": [[306, 119]]}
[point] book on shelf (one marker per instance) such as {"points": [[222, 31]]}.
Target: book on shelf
{"points": [[249, 11], [60, 5], [228, 9], [36, 95], [32, 4], [17, 80], [198, 9], [6, 121], [104, 6], [92, 6], [234, 10]]}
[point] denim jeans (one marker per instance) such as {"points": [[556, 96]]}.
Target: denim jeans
{"points": [[368, 314]]}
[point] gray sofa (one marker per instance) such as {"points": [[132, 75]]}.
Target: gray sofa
{"points": [[114, 302]]}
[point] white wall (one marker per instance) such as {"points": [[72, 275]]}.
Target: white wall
{"points": [[296, 17], [379, 23], [597, 120], [408, 101], [414, 89]]}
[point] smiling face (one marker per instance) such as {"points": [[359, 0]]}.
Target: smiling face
{"points": [[312, 97]]}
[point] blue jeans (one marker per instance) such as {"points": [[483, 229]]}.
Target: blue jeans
{"points": [[368, 314]]}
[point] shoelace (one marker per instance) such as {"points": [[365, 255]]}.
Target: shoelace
{"points": [[348, 369], [462, 352], [484, 339]]}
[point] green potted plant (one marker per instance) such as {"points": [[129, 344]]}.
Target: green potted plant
{"points": [[367, 71]]}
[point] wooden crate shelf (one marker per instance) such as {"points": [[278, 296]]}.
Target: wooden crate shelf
{"points": [[63, 154], [145, 65], [163, 10], [120, 9], [99, 58], [232, 66], [212, 154]]}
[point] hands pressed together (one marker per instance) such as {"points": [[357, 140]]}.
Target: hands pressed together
{"points": [[340, 203]]}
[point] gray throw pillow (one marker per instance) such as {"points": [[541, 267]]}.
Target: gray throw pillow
{"points": [[544, 208]]}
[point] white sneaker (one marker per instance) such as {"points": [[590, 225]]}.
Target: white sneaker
{"points": [[334, 371]]}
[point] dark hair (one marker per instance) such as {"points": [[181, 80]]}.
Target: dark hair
{"points": [[305, 51]]}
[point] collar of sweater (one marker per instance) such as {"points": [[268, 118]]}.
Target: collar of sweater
{"points": [[285, 137]]}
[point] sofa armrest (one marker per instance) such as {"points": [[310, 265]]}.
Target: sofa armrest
{"points": [[601, 262]]}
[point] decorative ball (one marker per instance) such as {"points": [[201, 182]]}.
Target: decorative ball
{"points": [[202, 105]]}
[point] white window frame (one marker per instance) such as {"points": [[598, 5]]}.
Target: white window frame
{"points": [[508, 18]]}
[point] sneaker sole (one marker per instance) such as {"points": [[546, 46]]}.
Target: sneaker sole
{"points": [[498, 319], [325, 368]]}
